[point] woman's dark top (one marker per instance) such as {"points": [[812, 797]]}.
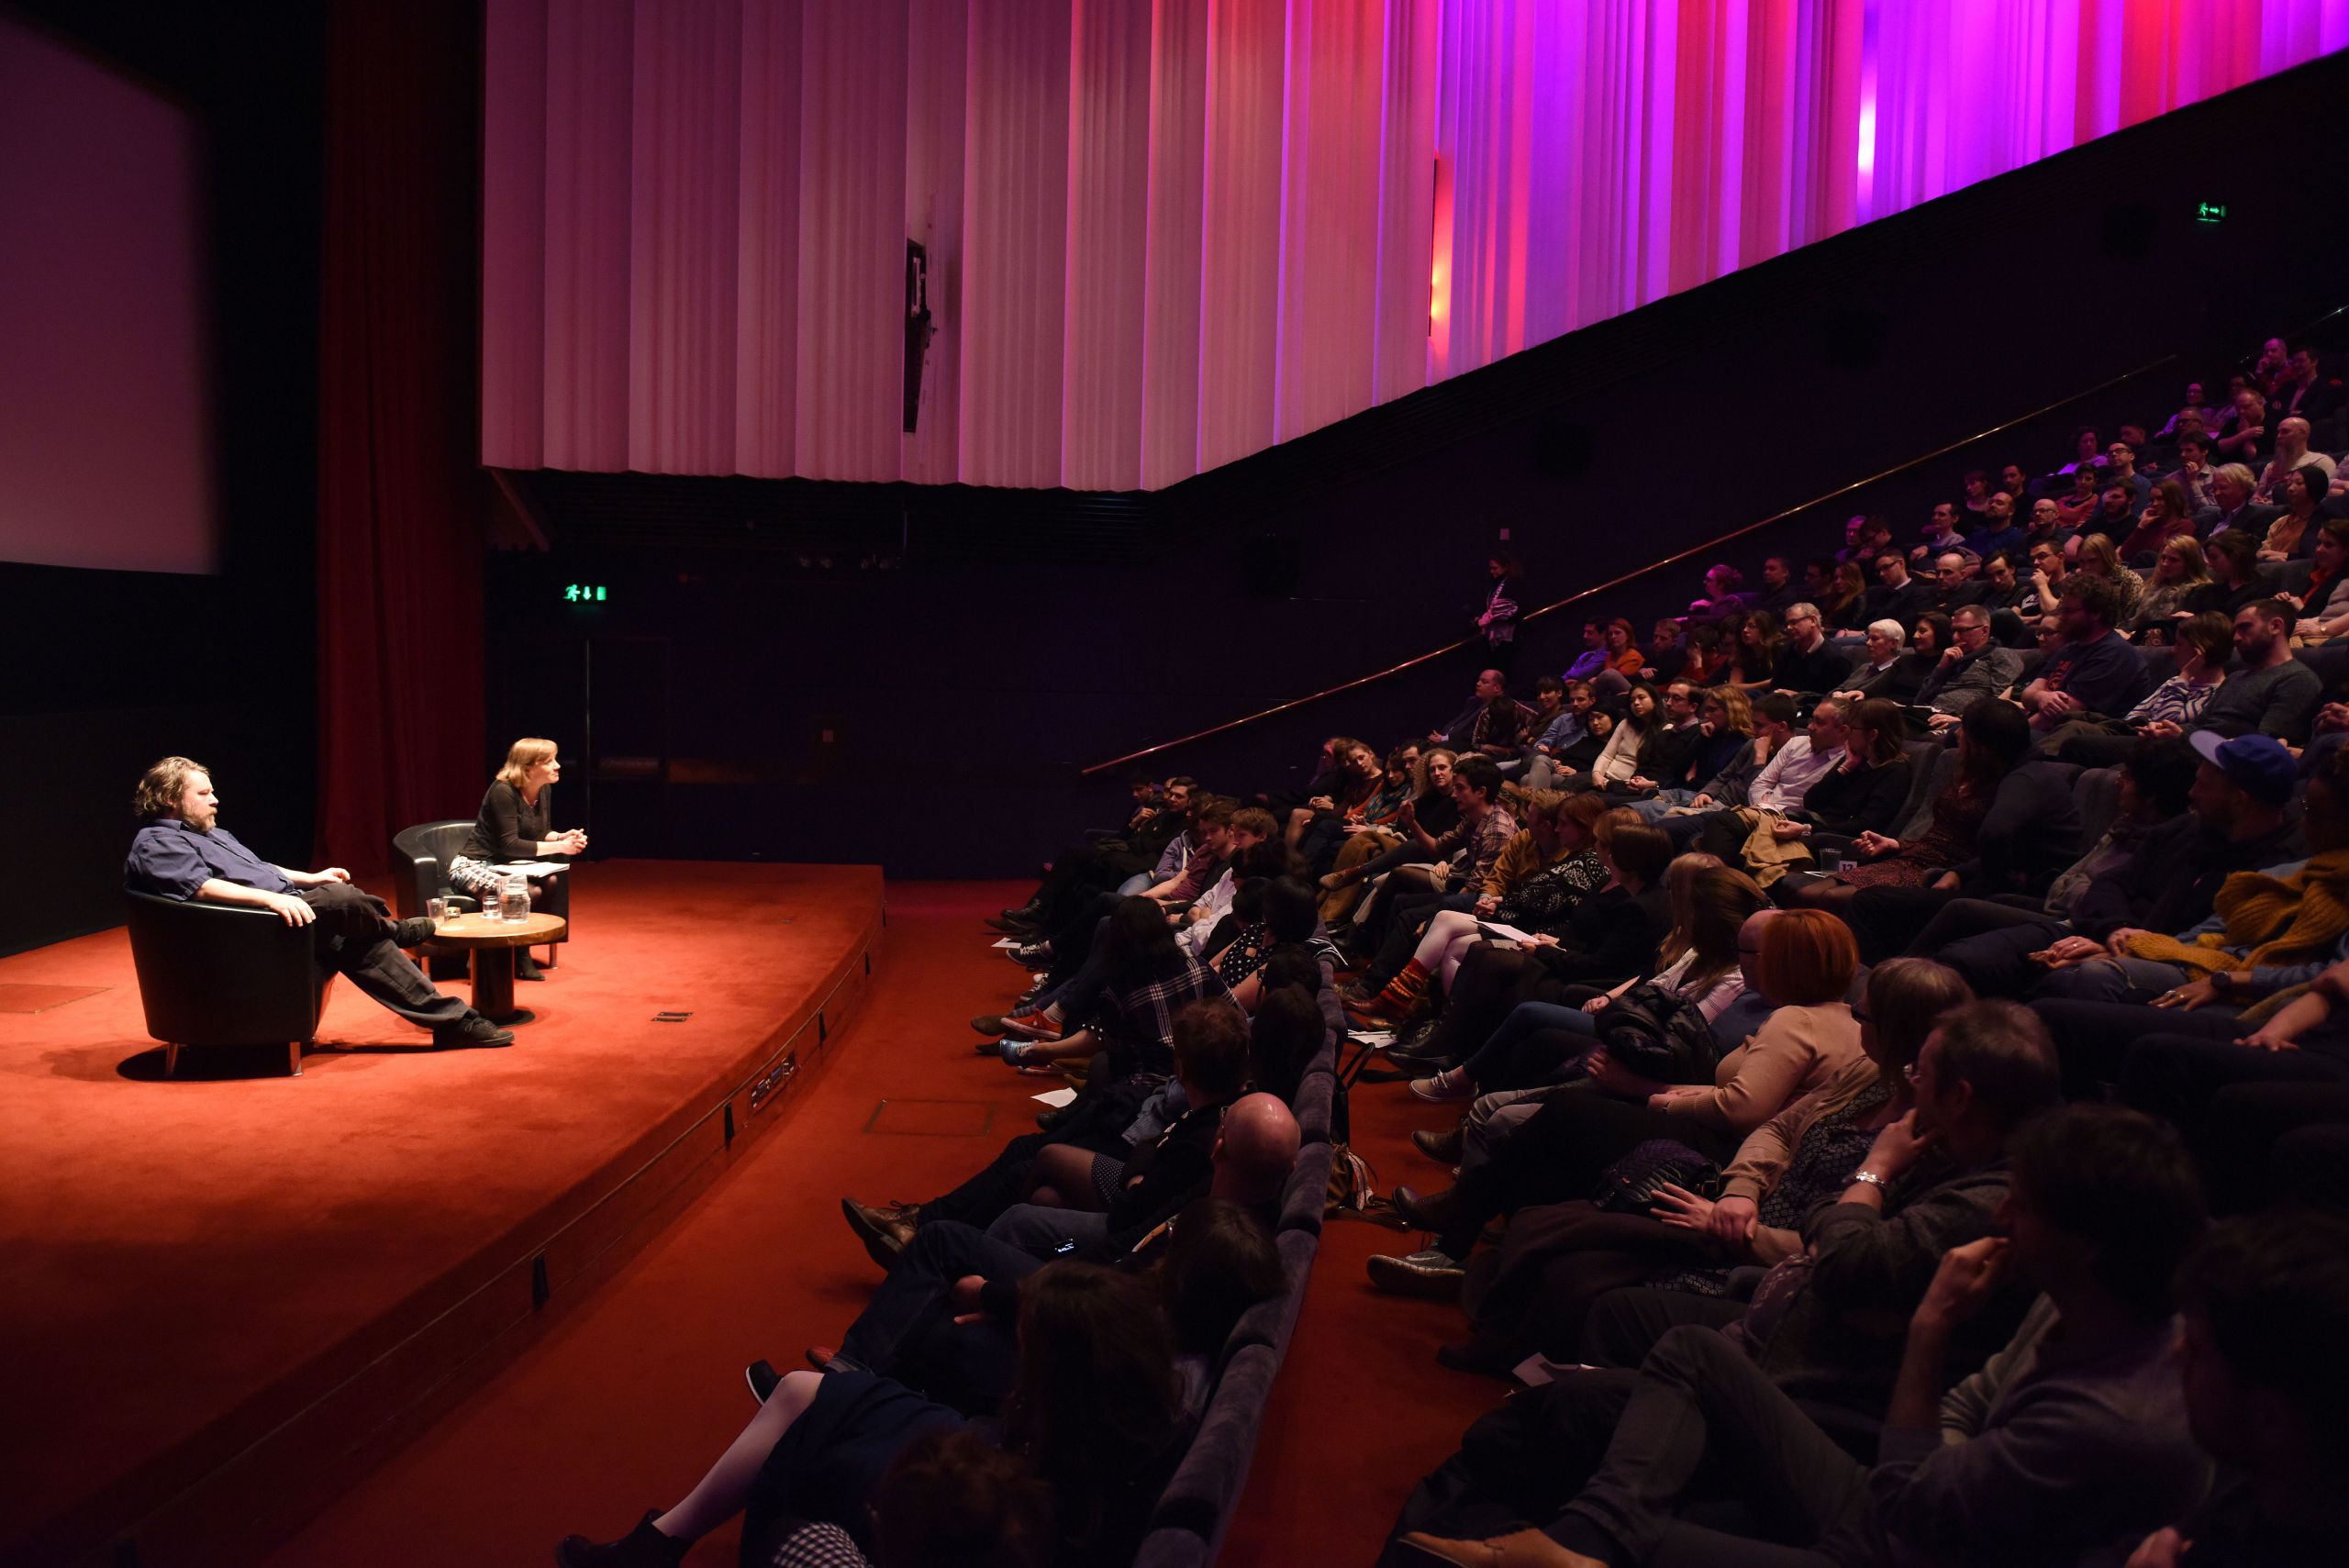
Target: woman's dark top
{"points": [[1437, 813], [1579, 756], [1612, 935], [1865, 800], [1544, 901], [507, 829], [1707, 758], [2218, 596]]}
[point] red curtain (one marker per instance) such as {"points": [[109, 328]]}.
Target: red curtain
{"points": [[401, 500]]}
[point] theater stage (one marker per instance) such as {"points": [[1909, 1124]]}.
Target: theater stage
{"points": [[222, 1296]]}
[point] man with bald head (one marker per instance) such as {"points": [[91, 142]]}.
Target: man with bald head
{"points": [[942, 1319], [2292, 454]]}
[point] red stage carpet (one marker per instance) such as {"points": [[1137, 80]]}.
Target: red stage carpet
{"points": [[224, 1293], [634, 1386], [621, 1404]]}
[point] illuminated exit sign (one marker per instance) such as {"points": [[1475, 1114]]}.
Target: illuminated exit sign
{"points": [[2210, 212], [583, 593]]}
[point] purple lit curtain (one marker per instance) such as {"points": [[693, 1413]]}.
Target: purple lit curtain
{"points": [[1164, 234]]}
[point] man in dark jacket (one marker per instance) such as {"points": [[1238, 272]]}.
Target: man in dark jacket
{"points": [[1973, 666], [950, 1271], [1809, 663], [2237, 819]]}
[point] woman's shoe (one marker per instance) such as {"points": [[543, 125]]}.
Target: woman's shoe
{"points": [[642, 1547], [526, 967], [1449, 1087]]}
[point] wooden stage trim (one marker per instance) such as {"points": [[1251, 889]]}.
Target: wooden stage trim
{"points": [[277, 1406]]}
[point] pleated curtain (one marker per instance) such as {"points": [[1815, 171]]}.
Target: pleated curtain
{"points": [[1164, 234]]}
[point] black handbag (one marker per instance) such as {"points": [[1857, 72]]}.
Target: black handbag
{"points": [[1629, 1185], [1659, 1036]]}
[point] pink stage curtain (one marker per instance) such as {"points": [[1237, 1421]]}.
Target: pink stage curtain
{"points": [[1164, 234]]}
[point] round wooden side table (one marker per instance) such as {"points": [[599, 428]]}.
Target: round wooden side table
{"points": [[492, 942]]}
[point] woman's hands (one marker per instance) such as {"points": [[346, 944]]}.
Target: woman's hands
{"points": [[1873, 844]]}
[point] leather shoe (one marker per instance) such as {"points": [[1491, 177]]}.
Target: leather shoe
{"points": [[1525, 1549], [1431, 1273], [412, 932], [1011, 925], [884, 1230], [989, 1023], [472, 1031], [1443, 1147], [763, 1380], [1476, 1357], [642, 1547], [1423, 1211]]}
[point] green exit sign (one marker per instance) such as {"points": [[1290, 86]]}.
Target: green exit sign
{"points": [[583, 593], [2210, 212]]}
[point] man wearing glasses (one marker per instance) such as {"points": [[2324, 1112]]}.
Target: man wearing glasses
{"points": [[1810, 663]]}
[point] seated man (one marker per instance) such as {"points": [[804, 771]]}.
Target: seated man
{"points": [[2269, 929], [1972, 666], [2268, 693], [1076, 1195], [1884, 670], [951, 1270], [2061, 1449], [2183, 828], [183, 854], [1461, 734], [2096, 670], [2265, 1305], [1809, 662]]}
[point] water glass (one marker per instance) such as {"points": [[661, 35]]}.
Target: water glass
{"points": [[437, 908]]}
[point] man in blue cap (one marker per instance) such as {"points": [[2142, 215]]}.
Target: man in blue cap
{"points": [[2239, 817], [2274, 930]]}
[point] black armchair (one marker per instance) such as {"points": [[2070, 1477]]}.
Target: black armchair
{"points": [[225, 974], [420, 857]]}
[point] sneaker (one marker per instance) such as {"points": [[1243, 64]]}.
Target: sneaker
{"points": [[472, 1031], [763, 1380], [1449, 1087], [412, 932], [1035, 1025], [1430, 1272], [1015, 1052], [1029, 955], [828, 1361]]}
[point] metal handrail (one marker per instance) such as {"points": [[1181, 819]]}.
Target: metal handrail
{"points": [[1674, 560]]}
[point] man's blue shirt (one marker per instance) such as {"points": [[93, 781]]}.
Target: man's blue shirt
{"points": [[173, 860]]}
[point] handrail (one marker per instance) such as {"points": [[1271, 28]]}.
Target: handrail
{"points": [[1577, 597]]}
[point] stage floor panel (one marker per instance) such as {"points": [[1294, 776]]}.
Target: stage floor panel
{"points": [[187, 1264]]}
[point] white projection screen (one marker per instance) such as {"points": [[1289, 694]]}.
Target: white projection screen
{"points": [[106, 457]]}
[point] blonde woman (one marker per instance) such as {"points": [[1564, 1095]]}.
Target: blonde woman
{"points": [[2100, 558], [515, 827]]}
